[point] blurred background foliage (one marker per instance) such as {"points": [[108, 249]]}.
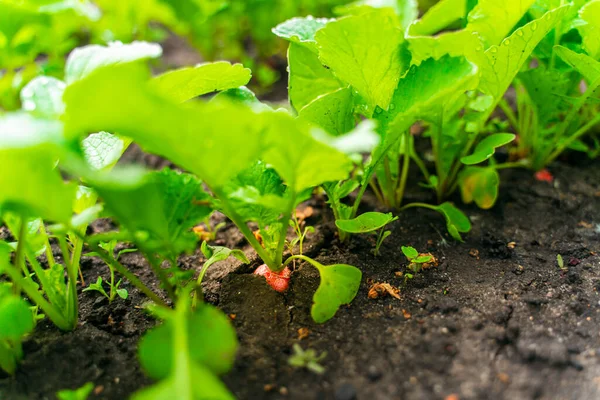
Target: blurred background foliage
{"points": [[37, 35]]}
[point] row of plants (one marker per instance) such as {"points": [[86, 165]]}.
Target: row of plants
{"points": [[358, 86], [35, 35]]}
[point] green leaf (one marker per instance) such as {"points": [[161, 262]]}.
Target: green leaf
{"points": [[454, 43], [425, 90], [362, 139], [258, 194], [301, 30], [209, 340], [186, 83], [159, 208], [503, 62], [456, 221], [85, 60], [545, 88], [123, 103], [97, 287], [406, 10], [479, 184], [487, 147], [438, 17], [301, 160], [183, 384], [218, 253], [590, 31], [42, 97], [31, 185], [123, 293], [364, 51], [422, 259], [103, 150], [78, 394], [367, 222], [333, 111], [308, 78], [339, 285], [584, 64], [493, 20], [410, 252], [55, 286], [16, 319]]}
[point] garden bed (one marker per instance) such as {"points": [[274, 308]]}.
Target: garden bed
{"points": [[497, 319]]}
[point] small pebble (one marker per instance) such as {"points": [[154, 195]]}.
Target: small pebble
{"points": [[345, 392], [373, 373]]}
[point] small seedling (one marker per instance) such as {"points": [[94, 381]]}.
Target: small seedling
{"points": [[418, 261], [78, 394], [112, 259], [307, 359], [560, 262]]}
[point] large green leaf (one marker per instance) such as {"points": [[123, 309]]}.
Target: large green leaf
{"points": [[188, 352], [209, 340], [584, 64], [479, 184], [367, 222], [590, 31], [186, 83], [308, 78], [199, 138], [300, 159], [16, 319], [503, 62], [85, 60], [333, 111], [364, 51], [31, 185], [158, 208], [425, 89], [339, 285], [493, 19]]}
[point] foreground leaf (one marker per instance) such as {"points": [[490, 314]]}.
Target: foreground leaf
{"points": [[31, 185], [124, 103], [301, 30], [590, 31], [186, 83], [85, 60]]}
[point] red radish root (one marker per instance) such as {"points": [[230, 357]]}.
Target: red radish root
{"points": [[279, 281]]}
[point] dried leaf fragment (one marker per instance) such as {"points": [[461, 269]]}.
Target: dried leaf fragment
{"points": [[382, 289]]}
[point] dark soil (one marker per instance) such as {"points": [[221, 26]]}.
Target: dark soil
{"points": [[497, 319]]}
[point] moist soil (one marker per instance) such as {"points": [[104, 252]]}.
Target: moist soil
{"points": [[496, 319]]}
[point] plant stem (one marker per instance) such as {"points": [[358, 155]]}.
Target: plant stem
{"points": [[510, 114], [20, 253], [71, 298], [160, 273], [127, 274], [405, 168], [34, 295], [241, 224], [49, 255], [421, 205], [283, 233], [581, 131]]}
